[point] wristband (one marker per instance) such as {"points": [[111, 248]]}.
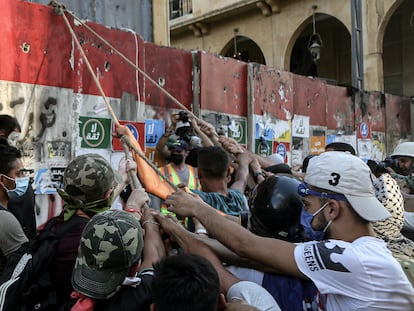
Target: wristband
{"points": [[133, 210], [149, 222]]}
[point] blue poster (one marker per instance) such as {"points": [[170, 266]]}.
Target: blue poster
{"points": [[154, 129]]}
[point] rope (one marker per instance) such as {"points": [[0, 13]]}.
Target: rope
{"points": [[124, 139], [176, 101], [62, 10]]}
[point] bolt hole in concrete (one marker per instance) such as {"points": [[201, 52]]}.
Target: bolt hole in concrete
{"points": [[161, 81], [25, 47], [107, 66]]}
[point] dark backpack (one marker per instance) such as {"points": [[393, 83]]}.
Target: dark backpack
{"points": [[30, 286]]}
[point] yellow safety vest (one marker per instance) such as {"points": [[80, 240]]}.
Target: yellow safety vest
{"points": [[169, 172]]}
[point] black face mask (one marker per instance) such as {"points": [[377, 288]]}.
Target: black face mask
{"points": [[176, 158]]}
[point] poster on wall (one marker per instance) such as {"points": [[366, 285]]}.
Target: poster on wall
{"points": [[154, 129], [283, 131], [263, 147], [46, 180], [317, 144], [283, 149], [137, 129], [300, 126], [364, 149], [272, 129], [263, 129], [95, 132], [237, 130], [364, 130]]}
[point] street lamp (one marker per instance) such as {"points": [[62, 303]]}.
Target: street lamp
{"points": [[315, 42], [236, 54]]}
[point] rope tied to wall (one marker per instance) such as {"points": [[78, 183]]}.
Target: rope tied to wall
{"points": [[125, 140]]}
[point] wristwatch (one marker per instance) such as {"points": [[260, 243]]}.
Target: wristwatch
{"points": [[257, 174]]}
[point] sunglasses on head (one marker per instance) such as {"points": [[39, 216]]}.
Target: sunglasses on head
{"points": [[303, 190]]}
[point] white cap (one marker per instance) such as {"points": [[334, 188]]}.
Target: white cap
{"points": [[347, 174], [276, 158]]}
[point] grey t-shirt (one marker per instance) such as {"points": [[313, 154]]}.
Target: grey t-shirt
{"points": [[12, 236]]}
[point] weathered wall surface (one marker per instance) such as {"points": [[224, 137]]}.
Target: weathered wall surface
{"points": [[45, 83]]}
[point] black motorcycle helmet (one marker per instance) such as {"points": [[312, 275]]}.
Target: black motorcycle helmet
{"points": [[275, 209]]}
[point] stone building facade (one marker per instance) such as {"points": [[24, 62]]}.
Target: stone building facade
{"points": [[278, 33]]}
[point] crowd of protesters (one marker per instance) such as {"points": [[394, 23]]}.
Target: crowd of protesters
{"points": [[242, 232]]}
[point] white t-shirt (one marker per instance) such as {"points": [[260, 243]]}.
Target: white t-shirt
{"points": [[362, 275], [252, 294], [409, 220], [247, 274]]}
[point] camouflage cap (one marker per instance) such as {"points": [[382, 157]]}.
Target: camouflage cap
{"points": [[88, 177], [111, 243]]}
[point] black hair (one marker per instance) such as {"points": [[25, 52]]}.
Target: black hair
{"points": [[8, 124], [305, 162], [8, 156], [213, 161], [185, 282], [340, 146]]}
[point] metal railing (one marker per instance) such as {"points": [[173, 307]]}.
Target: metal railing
{"points": [[180, 8]]}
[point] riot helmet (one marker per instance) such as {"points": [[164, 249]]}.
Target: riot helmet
{"points": [[275, 208], [405, 149]]}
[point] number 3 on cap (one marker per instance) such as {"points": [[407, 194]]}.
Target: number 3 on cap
{"points": [[335, 180]]}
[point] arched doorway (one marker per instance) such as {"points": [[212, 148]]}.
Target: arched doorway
{"points": [[244, 49], [398, 51], [334, 64]]}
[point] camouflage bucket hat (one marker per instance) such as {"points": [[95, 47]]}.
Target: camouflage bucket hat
{"points": [[88, 177], [110, 244]]}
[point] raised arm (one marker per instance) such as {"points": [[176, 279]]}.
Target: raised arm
{"points": [[188, 242], [274, 253], [154, 248]]}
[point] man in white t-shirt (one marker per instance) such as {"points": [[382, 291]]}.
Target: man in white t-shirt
{"points": [[353, 270]]}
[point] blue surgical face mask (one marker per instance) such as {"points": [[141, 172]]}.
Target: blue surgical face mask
{"points": [[22, 183], [306, 222]]}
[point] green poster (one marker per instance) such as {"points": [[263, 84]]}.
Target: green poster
{"points": [[95, 132], [237, 130], [263, 147]]}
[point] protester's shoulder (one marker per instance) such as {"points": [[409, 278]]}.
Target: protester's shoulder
{"points": [[235, 192], [8, 219], [202, 194]]}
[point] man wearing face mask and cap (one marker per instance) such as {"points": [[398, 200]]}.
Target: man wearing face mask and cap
{"points": [[88, 185], [21, 202], [177, 171]]}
